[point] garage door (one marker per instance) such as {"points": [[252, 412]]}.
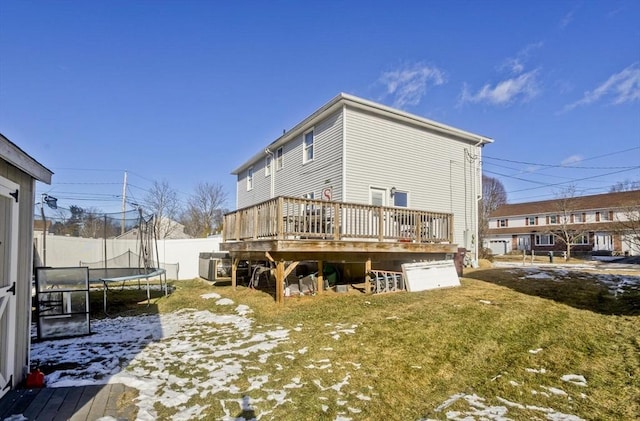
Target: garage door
{"points": [[498, 247]]}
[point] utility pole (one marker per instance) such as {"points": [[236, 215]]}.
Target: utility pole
{"points": [[44, 231], [124, 202]]}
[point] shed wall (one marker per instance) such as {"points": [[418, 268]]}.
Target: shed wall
{"points": [[25, 268]]}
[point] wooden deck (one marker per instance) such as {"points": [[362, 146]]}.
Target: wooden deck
{"points": [[292, 218], [288, 230], [82, 403]]}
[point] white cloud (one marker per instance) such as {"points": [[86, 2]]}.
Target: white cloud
{"points": [[407, 86], [522, 87], [571, 160], [621, 87], [567, 19], [515, 64]]}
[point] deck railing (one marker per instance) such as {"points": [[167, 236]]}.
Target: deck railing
{"points": [[296, 218]]}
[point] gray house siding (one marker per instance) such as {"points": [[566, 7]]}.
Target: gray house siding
{"points": [[297, 178], [360, 145], [384, 153]]}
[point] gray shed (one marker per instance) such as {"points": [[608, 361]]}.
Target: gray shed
{"points": [[18, 175]]}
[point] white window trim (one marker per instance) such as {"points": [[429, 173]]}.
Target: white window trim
{"points": [[305, 147], [394, 198], [279, 158], [384, 193], [268, 163], [531, 220], [250, 176]]}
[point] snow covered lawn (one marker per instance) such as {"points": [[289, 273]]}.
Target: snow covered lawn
{"points": [[215, 361]]}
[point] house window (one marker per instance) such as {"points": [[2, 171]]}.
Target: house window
{"points": [[577, 217], [544, 240], [400, 199], [250, 178], [553, 219], [581, 240], [502, 223], [267, 166], [377, 197], [308, 147], [604, 216], [531, 220], [279, 159]]}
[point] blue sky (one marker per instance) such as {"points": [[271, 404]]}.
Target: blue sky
{"points": [[185, 91]]}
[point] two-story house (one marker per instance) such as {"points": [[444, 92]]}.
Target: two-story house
{"points": [[354, 150], [406, 178], [593, 223]]}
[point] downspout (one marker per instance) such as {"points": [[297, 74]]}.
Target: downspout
{"points": [[344, 153], [272, 174], [478, 196]]}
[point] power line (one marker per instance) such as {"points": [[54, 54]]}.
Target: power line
{"points": [[569, 165], [574, 180]]}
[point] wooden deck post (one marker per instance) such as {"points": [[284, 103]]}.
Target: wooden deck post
{"points": [[280, 218], [380, 223], [336, 221], [320, 277], [280, 282], [367, 275], [234, 271]]}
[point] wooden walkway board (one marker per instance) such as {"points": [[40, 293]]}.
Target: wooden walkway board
{"points": [[84, 403]]}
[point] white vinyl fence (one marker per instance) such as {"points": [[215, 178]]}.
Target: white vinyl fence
{"points": [[62, 251]]}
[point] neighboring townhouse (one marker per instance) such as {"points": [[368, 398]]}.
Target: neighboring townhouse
{"points": [[597, 223], [18, 175], [357, 151]]}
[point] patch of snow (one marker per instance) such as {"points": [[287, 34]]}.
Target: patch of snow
{"points": [[243, 310], [224, 302], [540, 275], [514, 383], [575, 379], [210, 296], [479, 409], [484, 301], [363, 397], [555, 390], [534, 370], [535, 351]]}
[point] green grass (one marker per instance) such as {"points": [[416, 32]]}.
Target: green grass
{"points": [[410, 352]]}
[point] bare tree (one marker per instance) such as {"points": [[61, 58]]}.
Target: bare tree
{"points": [[627, 224], [204, 212], [493, 196], [626, 185], [162, 201], [567, 228]]}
